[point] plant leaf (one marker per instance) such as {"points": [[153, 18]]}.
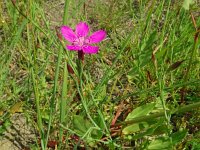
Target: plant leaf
{"points": [[160, 144], [175, 65], [178, 136], [146, 49], [141, 111], [135, 128], [187, 3], [80, 125], [138, 112]]}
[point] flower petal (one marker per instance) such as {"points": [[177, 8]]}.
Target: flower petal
{"points": [[73, 47], [90, 49], [97, 36], [68, 33], [82, 29]]}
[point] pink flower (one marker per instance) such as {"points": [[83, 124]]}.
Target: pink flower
{"points": [[80, 41]]}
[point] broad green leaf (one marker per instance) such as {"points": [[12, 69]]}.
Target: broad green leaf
{"points": [[149, 131], [81, 126], [160, 144], [141, 111], [135, 128], [147, 128], [161, 129], [178, 136], [187, 3], [138, 112]]}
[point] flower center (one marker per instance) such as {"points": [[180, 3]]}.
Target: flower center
{"points": [[80, 41]]}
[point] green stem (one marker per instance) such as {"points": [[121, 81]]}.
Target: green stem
{"points": [[52, 102], [39, 117], [161, 114], [63, 104], [195, 46], [32, 65], [80, 90], [35, 24], [190, 61]]}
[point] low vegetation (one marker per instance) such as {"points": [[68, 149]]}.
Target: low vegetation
{"points": [[140, 91]]}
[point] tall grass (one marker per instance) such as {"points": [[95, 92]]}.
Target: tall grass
{"points": [[149, 61]]}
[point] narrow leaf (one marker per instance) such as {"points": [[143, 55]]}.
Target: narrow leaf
{"points": [[175, 65]]}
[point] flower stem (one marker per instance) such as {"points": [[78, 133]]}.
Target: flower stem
{"points": [[80, 85], [81, 55]]}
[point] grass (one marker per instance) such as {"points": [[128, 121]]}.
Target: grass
{"points": [[148, 67]]}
